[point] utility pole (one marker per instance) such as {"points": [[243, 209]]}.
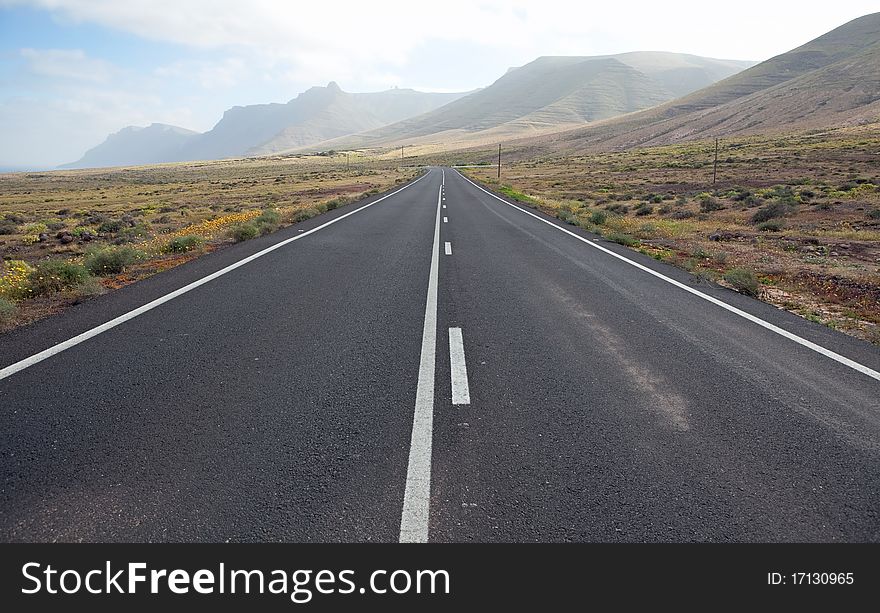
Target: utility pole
{"points": [[347, 161], [401, 152], [499, 161], [715, 166]]}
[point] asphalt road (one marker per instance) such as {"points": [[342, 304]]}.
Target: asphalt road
{"points": [[437, 365]]}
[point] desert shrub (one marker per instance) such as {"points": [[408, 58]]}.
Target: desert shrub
{"points": [[768, 212], [8, 311], [244, 232], [335, 203], [684, 214], [111, 260], [51, 276], [598, 217], [873, 214], [90, 287], [110, 226], [7, 226], [783, 194], [567, 216], [707, 205], [304, 214], [268, 221], [622, 239], [773, 225], [644, 210], [743, 281], [134, 233], [35, 229], [654, 198], [739, 194], [616, 207], [183, 244]]}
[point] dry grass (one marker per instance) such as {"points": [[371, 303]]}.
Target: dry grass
{"points": [[819, 257], [63, 214]]}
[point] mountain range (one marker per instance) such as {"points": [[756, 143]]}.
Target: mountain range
{"points": [[831, 81], [557, 103], [548, 94], [317, 114]]}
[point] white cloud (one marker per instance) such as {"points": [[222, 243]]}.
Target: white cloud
{"points": [[71, 64], [346, 36], [223, 73]]}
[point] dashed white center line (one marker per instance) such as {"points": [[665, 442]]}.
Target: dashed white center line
{"points": [[448, 247], [444, 206], [445, 220], [458, 368], [416, 497]]}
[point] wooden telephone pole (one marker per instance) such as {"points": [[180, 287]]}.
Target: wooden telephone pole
{"points": [[715, 166], [499, 160]]}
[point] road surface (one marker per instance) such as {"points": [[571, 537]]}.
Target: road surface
{"points": [[436, 364]]}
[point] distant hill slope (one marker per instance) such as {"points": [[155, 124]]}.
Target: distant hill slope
{"points": [[553, 93], [830, 81], [134, 146], [317, 114]]}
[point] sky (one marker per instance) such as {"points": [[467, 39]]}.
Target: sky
{"points": [[74, 71]]}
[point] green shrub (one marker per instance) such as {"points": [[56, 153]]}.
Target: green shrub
{"points": [[90, 287], [267, 221], [304, 214], [598, 217], [567, 216], [51, 276], [183, 244], [111, 226], [707, 205], [35, 228], [244, 232], [8, 311], [337, 202], [768, 212], [111, 260], [774, 225], [743, 281], [622, 239], [131, 234]]}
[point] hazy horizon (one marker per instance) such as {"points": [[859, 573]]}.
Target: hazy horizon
{"points": [[74, 71]]}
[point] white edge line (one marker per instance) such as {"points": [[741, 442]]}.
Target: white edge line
{"points": [[461, 393], [417, 495], [752, 318], [79, 338]]}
